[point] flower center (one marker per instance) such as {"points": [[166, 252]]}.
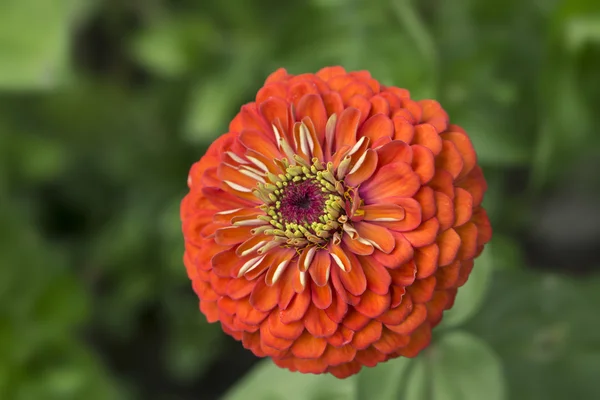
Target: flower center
{"points": [[305, 205]]}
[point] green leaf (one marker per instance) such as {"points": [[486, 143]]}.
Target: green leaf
{"points": [[384, 381], [471, 295], [266, 381], [463, 367]]}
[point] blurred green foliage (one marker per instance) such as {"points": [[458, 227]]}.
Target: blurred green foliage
{"points": [[104, 105]]}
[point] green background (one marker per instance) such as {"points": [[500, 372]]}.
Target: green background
{"points": [[104, 106]]}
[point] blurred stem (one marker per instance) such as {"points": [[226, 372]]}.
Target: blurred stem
{"points": [[410, 19]]}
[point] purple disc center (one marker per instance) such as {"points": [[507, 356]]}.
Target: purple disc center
{"points": [[302, 202]]}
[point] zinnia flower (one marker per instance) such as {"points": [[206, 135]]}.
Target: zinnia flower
{"points": [[331, 227]]}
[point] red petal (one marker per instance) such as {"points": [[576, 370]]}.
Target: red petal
{"points": [[341, 337], [318, 323], [436, 306], [398, 314], [367, 336], [370, 357], [373, 305], [308, 346], [425, 234], [355, 321], [378, 277], [484, 229], [270, 340], [391, 180], [251, 341], [344, 370]]}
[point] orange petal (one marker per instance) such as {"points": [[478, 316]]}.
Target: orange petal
{"points": [[426, 259], [276, 76], [445, 211], [210, 310], [446, 276], [227, 305], [465, 271], [463, 206], [383, 213], [320, 268], [354, 281], [338, 308], [449, 159], [377, 126], [468, 238], [372, 304], [228, 264], [436, 306], [390, 341], [423, 163], [378, 277], [434, 114], [449, 243], [403, 251], [318, 323], [465, 148], [275, 108], [275, 89], [484, 229], [345, 131], [370, 357], [391, 180], [308, 346], [475, 184], [233, 235], [379, 105], [327, 73], [412, 214], [425, 234], [367, 336], [312, 106], [268, 147], [345, 370], [339, 257], [397, 295], [362, 248], [300, 89], [264, 297], [267, 338], [333, 103], [397, 315], [297, 308], [422, 289], [341, 337], [361, 103], [412, 322], [248, 314], [378, 236], [395, 151], [362, 170], [426, 135], [339, 355], [355, 320], [403, 129], [442, 182], [251, 341], [420, 339], [239, 288], [289, 331], [321, 296], [414, 108], [426, 199]]}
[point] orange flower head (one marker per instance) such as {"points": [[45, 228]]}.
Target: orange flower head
{"points": [[331, 227]]}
